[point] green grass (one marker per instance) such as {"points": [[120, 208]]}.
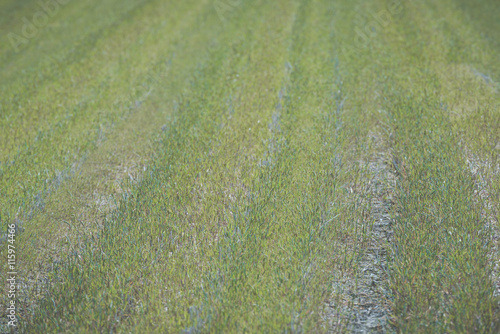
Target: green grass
{"points": [[171, 170]]}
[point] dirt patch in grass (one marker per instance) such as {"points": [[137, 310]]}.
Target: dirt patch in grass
{"points": [[366, 303], [487, 181]]}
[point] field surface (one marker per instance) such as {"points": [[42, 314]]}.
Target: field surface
{"points": [[230, 166]]}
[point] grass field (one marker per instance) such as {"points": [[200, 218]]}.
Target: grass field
{"points": [[250, 166]]}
